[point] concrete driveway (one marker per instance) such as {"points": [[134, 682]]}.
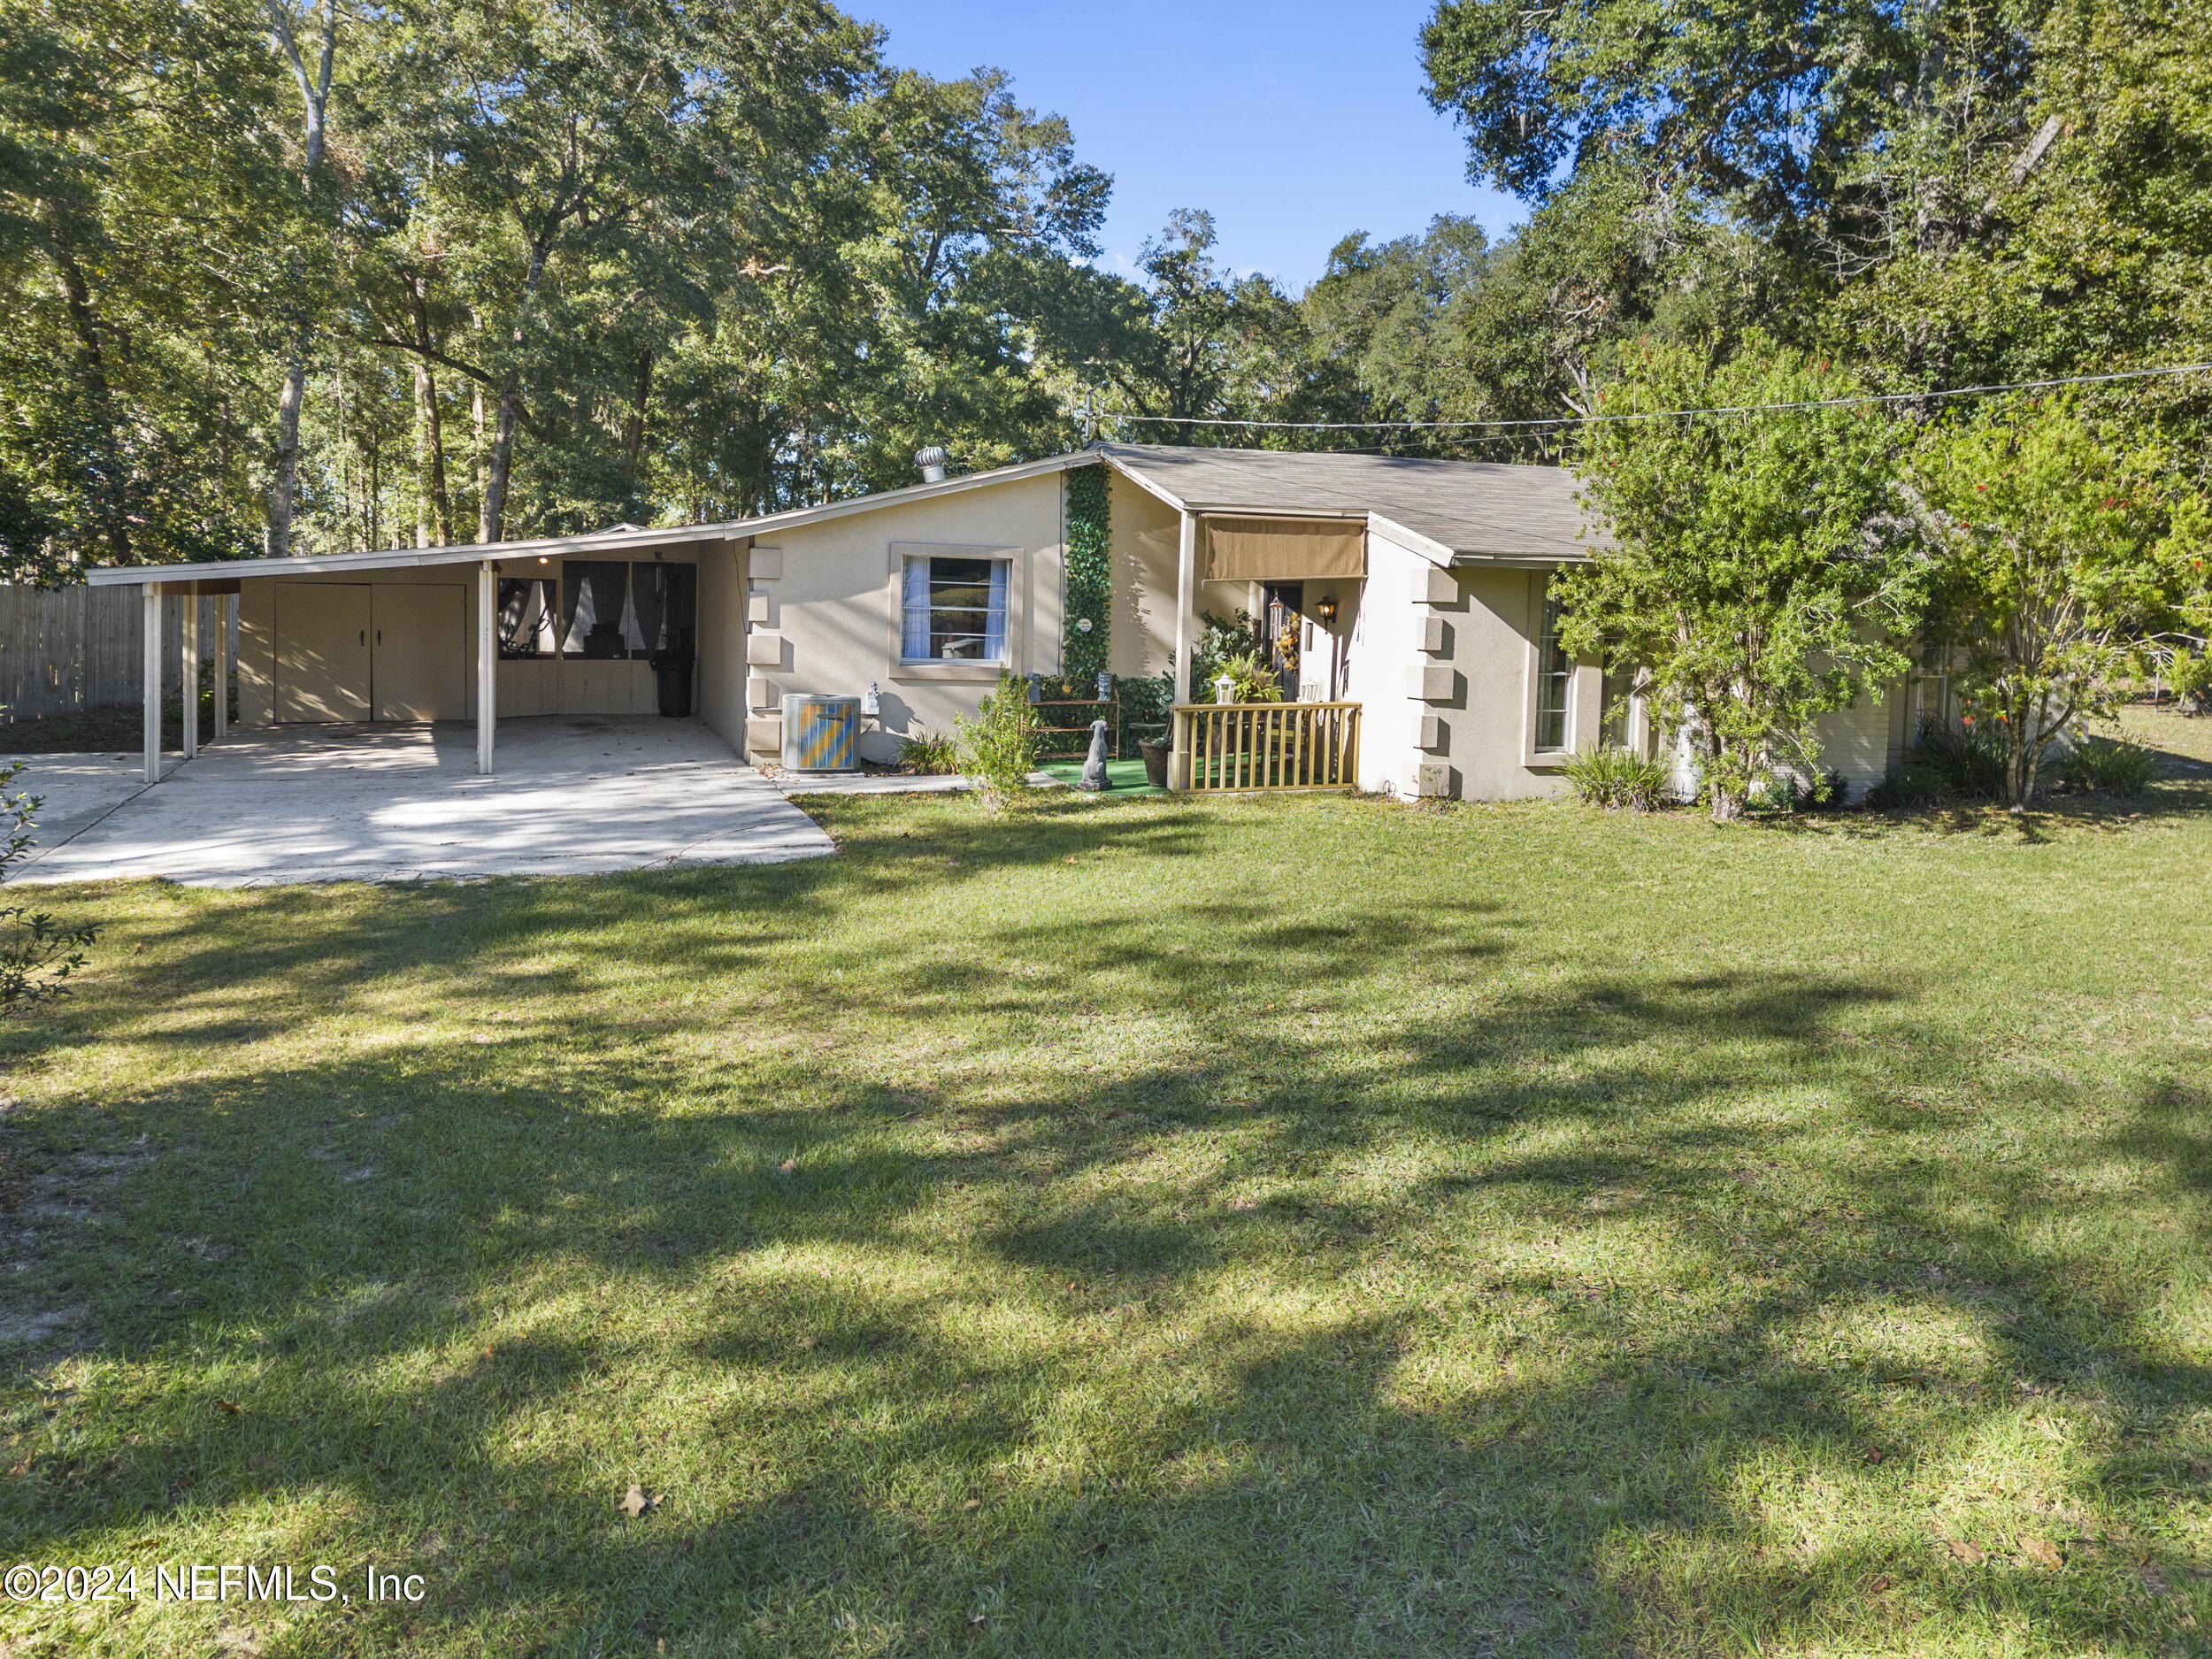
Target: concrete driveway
{"points": [[578, 794]]}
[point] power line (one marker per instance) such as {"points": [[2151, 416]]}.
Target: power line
{"points": [[1557, 423]]}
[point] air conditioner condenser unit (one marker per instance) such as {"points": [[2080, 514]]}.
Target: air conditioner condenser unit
{"points": [[820, 733]]}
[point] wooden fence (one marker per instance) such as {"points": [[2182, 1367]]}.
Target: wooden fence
{"points": [[67, 649], [1269, 745]]}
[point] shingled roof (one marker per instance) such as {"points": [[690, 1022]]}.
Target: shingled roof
{"points": [[1466, 510]]}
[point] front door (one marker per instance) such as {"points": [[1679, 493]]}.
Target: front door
{"points": [[323, 653], [419, 634]]}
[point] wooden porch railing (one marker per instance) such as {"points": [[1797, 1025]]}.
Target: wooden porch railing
{"points": [[1269, 745]]}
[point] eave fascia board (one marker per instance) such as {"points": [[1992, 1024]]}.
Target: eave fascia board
{"points": [[1518, 561], [406, 558], [1411, 540]]}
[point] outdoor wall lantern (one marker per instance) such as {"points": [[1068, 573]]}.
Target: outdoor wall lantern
{"points": [[1225, 689], [1325, 608], [871, 700]]}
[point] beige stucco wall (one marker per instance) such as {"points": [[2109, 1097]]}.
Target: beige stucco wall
{"points": [[1860, 741], [829, 611], [1459, 718], [722, 640], [1145, 531]]}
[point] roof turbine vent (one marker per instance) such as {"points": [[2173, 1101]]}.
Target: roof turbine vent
{"points": [[931, 461]]}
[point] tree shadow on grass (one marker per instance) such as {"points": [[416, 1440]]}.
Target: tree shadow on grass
{"points": [[1570, 1312]]}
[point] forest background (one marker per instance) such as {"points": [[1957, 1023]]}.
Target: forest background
{"points": [[311, 277]]}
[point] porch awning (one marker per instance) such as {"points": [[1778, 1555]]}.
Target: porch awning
{"points": [[1282, 549]]}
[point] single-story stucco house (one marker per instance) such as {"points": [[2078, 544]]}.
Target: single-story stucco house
{"points": [[1415, 590]]}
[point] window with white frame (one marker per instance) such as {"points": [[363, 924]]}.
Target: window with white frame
{"points": [[1618, 701], [954, 610], [1555, 682]]}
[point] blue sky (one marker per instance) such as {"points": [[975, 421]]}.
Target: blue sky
{"points": [[1291, 121]]}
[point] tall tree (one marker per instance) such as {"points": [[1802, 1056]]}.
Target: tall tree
{"points": [[585, 162], [1379, 316], [2057, 550], [1757, 575], [1192, 342], [308, 43], [142, 216]]}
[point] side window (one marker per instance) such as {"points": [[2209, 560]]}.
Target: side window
{"points": [[1555, 682], [1619, 685]]}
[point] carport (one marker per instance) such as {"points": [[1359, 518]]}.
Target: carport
{"points": [[603, 624]]}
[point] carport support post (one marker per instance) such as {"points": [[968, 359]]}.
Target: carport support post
{"points": [[1185, 638], [189, 669], [226, 607], [152, 590], [487, 663]]}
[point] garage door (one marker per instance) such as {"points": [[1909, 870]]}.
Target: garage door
{"points": [[323, 651], [419, 636]]}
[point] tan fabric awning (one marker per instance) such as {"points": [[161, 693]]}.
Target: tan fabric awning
{"points": [[1282, 549]]}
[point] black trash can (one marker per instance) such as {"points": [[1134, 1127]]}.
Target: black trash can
{"points": [[671, 673]]}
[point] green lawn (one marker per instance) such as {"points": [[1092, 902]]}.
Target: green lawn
{"points": [[1146, 1227]]}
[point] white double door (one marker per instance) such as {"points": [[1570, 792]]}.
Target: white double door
{"points": [[371, 651]]}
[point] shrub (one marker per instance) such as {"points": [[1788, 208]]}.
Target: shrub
{"points": [[997, 751], [1220, 639], [929, 753], [1907, 785], [36, 953], [1146, 707], [1943, 767], [2105, 765], [1783, 792], [1616, 778], [2191, 675], [1255, 681]]}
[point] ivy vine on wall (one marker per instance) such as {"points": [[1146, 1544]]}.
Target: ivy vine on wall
{"points": [[1085, 652]]}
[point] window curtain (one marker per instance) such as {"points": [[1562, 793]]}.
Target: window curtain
{"points": [[595, 609], [914, 629], [995, 624], [648, 608]]}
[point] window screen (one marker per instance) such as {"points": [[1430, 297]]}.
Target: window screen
{"points": [[596, 621], [526, 626], [612, 611], [665, 599], [1555, 678], [955, 609]]}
